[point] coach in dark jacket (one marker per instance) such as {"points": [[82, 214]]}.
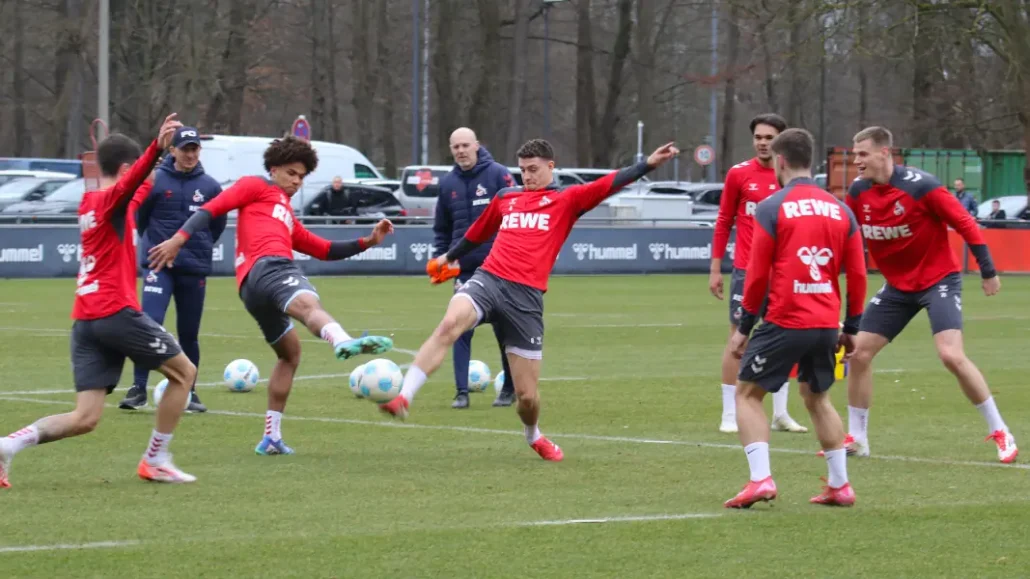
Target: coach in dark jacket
{"points": [[180, 188], [464, 194]]}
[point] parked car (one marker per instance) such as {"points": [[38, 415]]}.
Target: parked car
{"points": [[73, 166], [705, 195], [229, 157], [28, 189], [357, 201], [58, 205], [562, 177], [8, 175], [392, 184], [588, 175]]}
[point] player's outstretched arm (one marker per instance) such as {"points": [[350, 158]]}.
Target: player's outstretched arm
{"points": [[308, 243], [125, 189], [163, 254], [951, 211], [586, 197]]}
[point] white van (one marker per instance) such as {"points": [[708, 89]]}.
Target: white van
{"points": [[227, 158]]}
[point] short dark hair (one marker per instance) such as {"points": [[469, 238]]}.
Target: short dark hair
{"points": [[795, 146], [772, 119], [880, 137], [114, 151], [291, 150], [536, 148]]}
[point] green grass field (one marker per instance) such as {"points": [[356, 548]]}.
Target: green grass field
{"points": [[631, 393]]}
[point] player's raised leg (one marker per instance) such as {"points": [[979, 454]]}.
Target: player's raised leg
{"points": [[156, 464], [754, 437], [952, 353], [462, 315], [525, 369], [280, 382], [305, 307]]}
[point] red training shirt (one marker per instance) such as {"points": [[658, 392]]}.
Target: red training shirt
{"points": [[746, 185], [532, 226], [107, 269], [805, 237], [265, 226], [905, 225]]}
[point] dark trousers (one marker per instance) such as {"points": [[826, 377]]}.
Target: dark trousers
{"points": [[189, 292], [463, 355]]}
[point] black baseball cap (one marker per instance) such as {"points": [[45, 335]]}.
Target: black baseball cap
{"points": [[186, 136]]}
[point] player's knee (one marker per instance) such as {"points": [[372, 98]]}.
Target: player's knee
{"points": [[450, 328], [180, 370], [526, 396], [87, 419], [862, 357], [290, 357], [953, 358]]}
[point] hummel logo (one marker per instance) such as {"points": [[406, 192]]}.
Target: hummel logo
{"points": [[912, 176], [159, 346], [292, 281]]}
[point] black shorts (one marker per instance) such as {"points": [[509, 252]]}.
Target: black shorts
{"points": [[737, 280], [267, 291], [99, 348], [515, 310], [891, 309], [773, 351]]}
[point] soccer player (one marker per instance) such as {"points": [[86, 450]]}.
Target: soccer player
{"points": [[803, 239], [531, 224], [465, 193], [180, 187], [746, 185], [905, 214], [272, 287], [109, 325]]}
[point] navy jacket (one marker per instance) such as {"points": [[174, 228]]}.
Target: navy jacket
{"points": [[175, 197], [464, 196]]}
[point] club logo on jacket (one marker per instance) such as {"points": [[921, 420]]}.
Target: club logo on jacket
{"points": [[480, 190], [151, 277], [899, 209], [198, 197]]}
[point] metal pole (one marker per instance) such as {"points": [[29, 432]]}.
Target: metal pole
{"points": [[425, 88], [547, 71], [675, 135], [640, 141], [712, 104], [822, 103], [416, 29], [103, 57]]}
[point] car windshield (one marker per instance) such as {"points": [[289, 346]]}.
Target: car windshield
{"points": [[18, 189], [70, 192]]}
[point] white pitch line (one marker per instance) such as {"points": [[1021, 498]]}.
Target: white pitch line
{"points": [[590, 437], [632, 519], [69, 546]]}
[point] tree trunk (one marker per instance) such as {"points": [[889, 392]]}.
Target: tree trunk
{"points": [[483, 114], [22, 144], [922, 85], [227, 102], [605, 141], [729, 100], [794, 115], [767, 63], [443, 81], [586, 106], [319, 77], [333, 105], [644, 69], [361, 82], [518, 77], [386, 94]]}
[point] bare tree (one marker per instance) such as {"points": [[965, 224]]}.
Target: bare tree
{"points": [[729, 100], [518, 77]]}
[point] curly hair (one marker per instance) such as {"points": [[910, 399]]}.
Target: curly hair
{"points": [[536, 148], [114, 151], [291, 150]]}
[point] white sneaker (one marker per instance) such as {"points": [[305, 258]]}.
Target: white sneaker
{"points": [[784, 423], [728, 426], [1007, 450], [165, 472], [5, 466]]}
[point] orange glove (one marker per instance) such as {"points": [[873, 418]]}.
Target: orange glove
{"points": [[441, 273]]}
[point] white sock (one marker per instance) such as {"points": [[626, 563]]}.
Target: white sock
{"points": [[780, 400], [532, 433], [21, 439], [413, 382], [273, 422], [157, 450], [858, 423], [334, 334], [758, 460], [837, 461], [989, 410], [729, 403]]}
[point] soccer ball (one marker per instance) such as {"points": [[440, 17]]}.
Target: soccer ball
{"points": [[159, 392], [499, 383], [241, 376], [381, 380], [479, 376], [355, 381]]}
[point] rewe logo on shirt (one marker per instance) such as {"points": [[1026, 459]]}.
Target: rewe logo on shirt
{"points": [[526, 221], [750, 207], [812, 207], [283, 214], [880, 232]]}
